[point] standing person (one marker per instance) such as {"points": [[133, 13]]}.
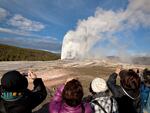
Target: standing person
{"points": [[15, 97], [145, 91], [127, 94], [102, 102], [68, 99]]}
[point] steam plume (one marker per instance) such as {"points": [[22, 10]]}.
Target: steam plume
{"points": [[103, 26]]}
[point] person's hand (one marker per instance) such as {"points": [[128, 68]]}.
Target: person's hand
{"points": [[32, 75], [140, 71], [118, 69]]}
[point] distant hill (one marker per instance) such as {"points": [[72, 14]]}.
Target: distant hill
{"points": [[12, 53], [145, 60], [141, 60]]}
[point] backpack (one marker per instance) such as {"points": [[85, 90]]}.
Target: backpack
{"points": [[96, 102], [83, 109]]}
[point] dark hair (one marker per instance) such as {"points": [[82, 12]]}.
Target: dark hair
{"points": [[73, 93], [123, 73], [130, 80], [146, 76]]}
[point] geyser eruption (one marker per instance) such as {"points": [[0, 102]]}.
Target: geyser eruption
{"points": [[103, 26], [79, 43]]}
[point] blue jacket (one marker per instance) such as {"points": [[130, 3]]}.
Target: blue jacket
{"points": [[145, 98]]}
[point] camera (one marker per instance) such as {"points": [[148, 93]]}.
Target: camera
{"points": [[25, 74]]}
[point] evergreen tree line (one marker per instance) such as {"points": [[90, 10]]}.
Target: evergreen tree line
{"points": [[12, 53]]}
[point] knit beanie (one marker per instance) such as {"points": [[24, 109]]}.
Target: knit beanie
{"points": [[14, 81], [99, 85]]}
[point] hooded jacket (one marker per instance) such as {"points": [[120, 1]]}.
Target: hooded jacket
{"points": [[128, 101], [58, 106], [28, 101]]}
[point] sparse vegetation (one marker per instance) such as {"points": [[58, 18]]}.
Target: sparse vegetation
{"points": [[12, 53]]}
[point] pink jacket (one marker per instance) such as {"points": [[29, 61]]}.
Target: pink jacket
{"points": [[57, 106]]}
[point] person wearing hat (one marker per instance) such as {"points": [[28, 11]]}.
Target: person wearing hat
{"points": [[127, 94], [15, 97], [101, 101]]}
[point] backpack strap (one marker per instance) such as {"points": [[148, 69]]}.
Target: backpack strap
{"points": [[83, 109], [111, 110], [95, 102], [2, 107]]}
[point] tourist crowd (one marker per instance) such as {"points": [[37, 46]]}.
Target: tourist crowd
{"points": [[130, 95]]}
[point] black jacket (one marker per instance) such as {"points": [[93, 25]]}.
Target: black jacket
{"points": [[126, 104], [29, 101]]}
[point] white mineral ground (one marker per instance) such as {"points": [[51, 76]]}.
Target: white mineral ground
{"points": [[56, 72]]}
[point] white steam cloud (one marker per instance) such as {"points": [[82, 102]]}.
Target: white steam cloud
{"points": [[78, 43], [3, 14], [25, 24]]}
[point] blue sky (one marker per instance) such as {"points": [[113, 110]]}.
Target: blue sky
{"points": [[42, 24]]}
